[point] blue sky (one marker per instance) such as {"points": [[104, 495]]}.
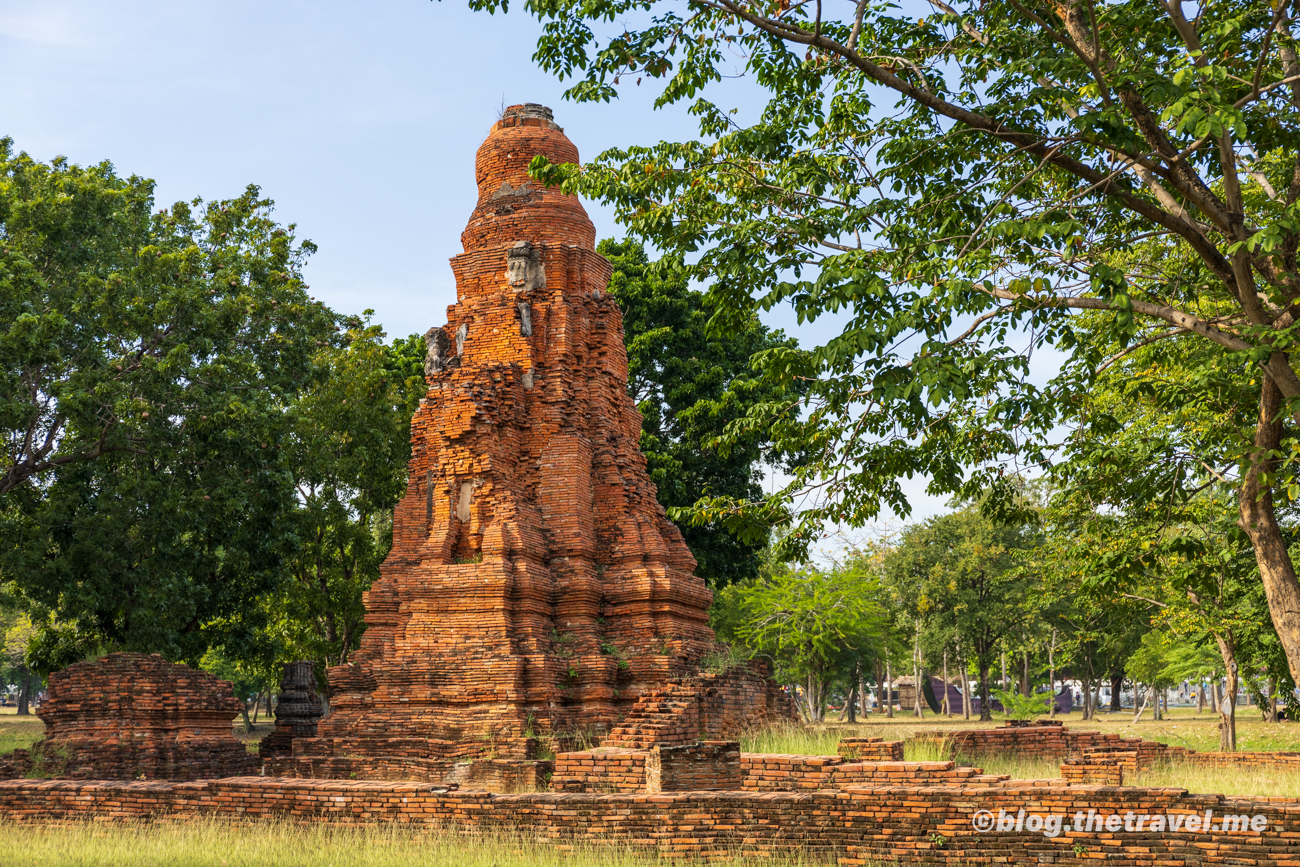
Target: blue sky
{"points": [[359, 119]]}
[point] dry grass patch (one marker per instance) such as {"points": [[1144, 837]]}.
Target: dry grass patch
{"points": [[211, 843]]}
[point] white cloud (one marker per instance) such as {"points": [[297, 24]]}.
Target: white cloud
{"points": [[49, 24]]}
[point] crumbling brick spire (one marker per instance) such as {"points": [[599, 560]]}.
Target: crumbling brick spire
{"points": [[535, 583]]}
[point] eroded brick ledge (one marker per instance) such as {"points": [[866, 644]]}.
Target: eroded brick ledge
{"points": [[859, 825]]}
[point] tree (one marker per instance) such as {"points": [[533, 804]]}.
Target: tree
{"points": [[148, 362], [963, 570], [816, 625], [348, 448], [18, 637], [689, 383], [961, 180]]}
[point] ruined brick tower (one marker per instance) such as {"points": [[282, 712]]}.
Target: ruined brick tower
{"points": [[535, 584]]}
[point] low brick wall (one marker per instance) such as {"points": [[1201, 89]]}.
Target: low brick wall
{"points": [[907, 825], [600, 770], [1081, 772], [1052, 741], [870, 749], [700, 767], [771, 772], [1269, 761]]}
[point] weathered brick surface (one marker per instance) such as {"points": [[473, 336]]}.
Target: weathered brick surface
{"points": [[1056, 741], [774, 772], [699, 767], [906, 825], [130, 715], [870, 749], [535, 584], [1098, 771], [605, 769], [707, 706]]}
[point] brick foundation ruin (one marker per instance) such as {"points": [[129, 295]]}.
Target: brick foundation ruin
{"points": [[1052, 740], [859, 825], [535, 584], [132, 715]]}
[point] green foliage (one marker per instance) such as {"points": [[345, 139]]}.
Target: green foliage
{"points": [[961, 187], [813, 624], [963, 574], [148, 361], [690, 383], [348, 452], [1017, 706]]}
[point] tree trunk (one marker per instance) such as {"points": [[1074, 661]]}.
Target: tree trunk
{"points": [[1004, 670], [816, 707], [1214, 696], [1025, 689], [947, 686], [1086, 678], [1051, 676], [849, 712], [918, 702], [1228, 705], [965, 685], [986, 712], [1146, 696], [1116, 687], [862, 693], [889, 691], [1259, 520], [880, 691], [1200, 697], [24, 694]]}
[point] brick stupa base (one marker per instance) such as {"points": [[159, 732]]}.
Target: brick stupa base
{"points": [[131, 715], [535, 587]]}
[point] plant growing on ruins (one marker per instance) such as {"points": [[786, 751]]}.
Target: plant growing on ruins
{"points": [[1022, 707], [724, 657], [961, 186]]}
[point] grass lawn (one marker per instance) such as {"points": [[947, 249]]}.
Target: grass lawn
{"points": [[1183, 727], [280, 844]]}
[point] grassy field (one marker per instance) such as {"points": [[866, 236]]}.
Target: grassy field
{"points": [[278, 844], [1184, 727]]}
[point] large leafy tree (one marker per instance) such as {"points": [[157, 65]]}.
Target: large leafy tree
{"points": [[148, 361], [689, 383], [958, 182], [348, 450], [965, 574], [819, 626]]}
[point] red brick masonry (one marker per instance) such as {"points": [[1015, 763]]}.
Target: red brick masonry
{"points": [[128, 715], [904, 824], [1053, 740]]}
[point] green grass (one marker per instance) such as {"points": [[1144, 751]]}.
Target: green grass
{"points": [[211, 843], [1184, 727], [19, 733]]}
